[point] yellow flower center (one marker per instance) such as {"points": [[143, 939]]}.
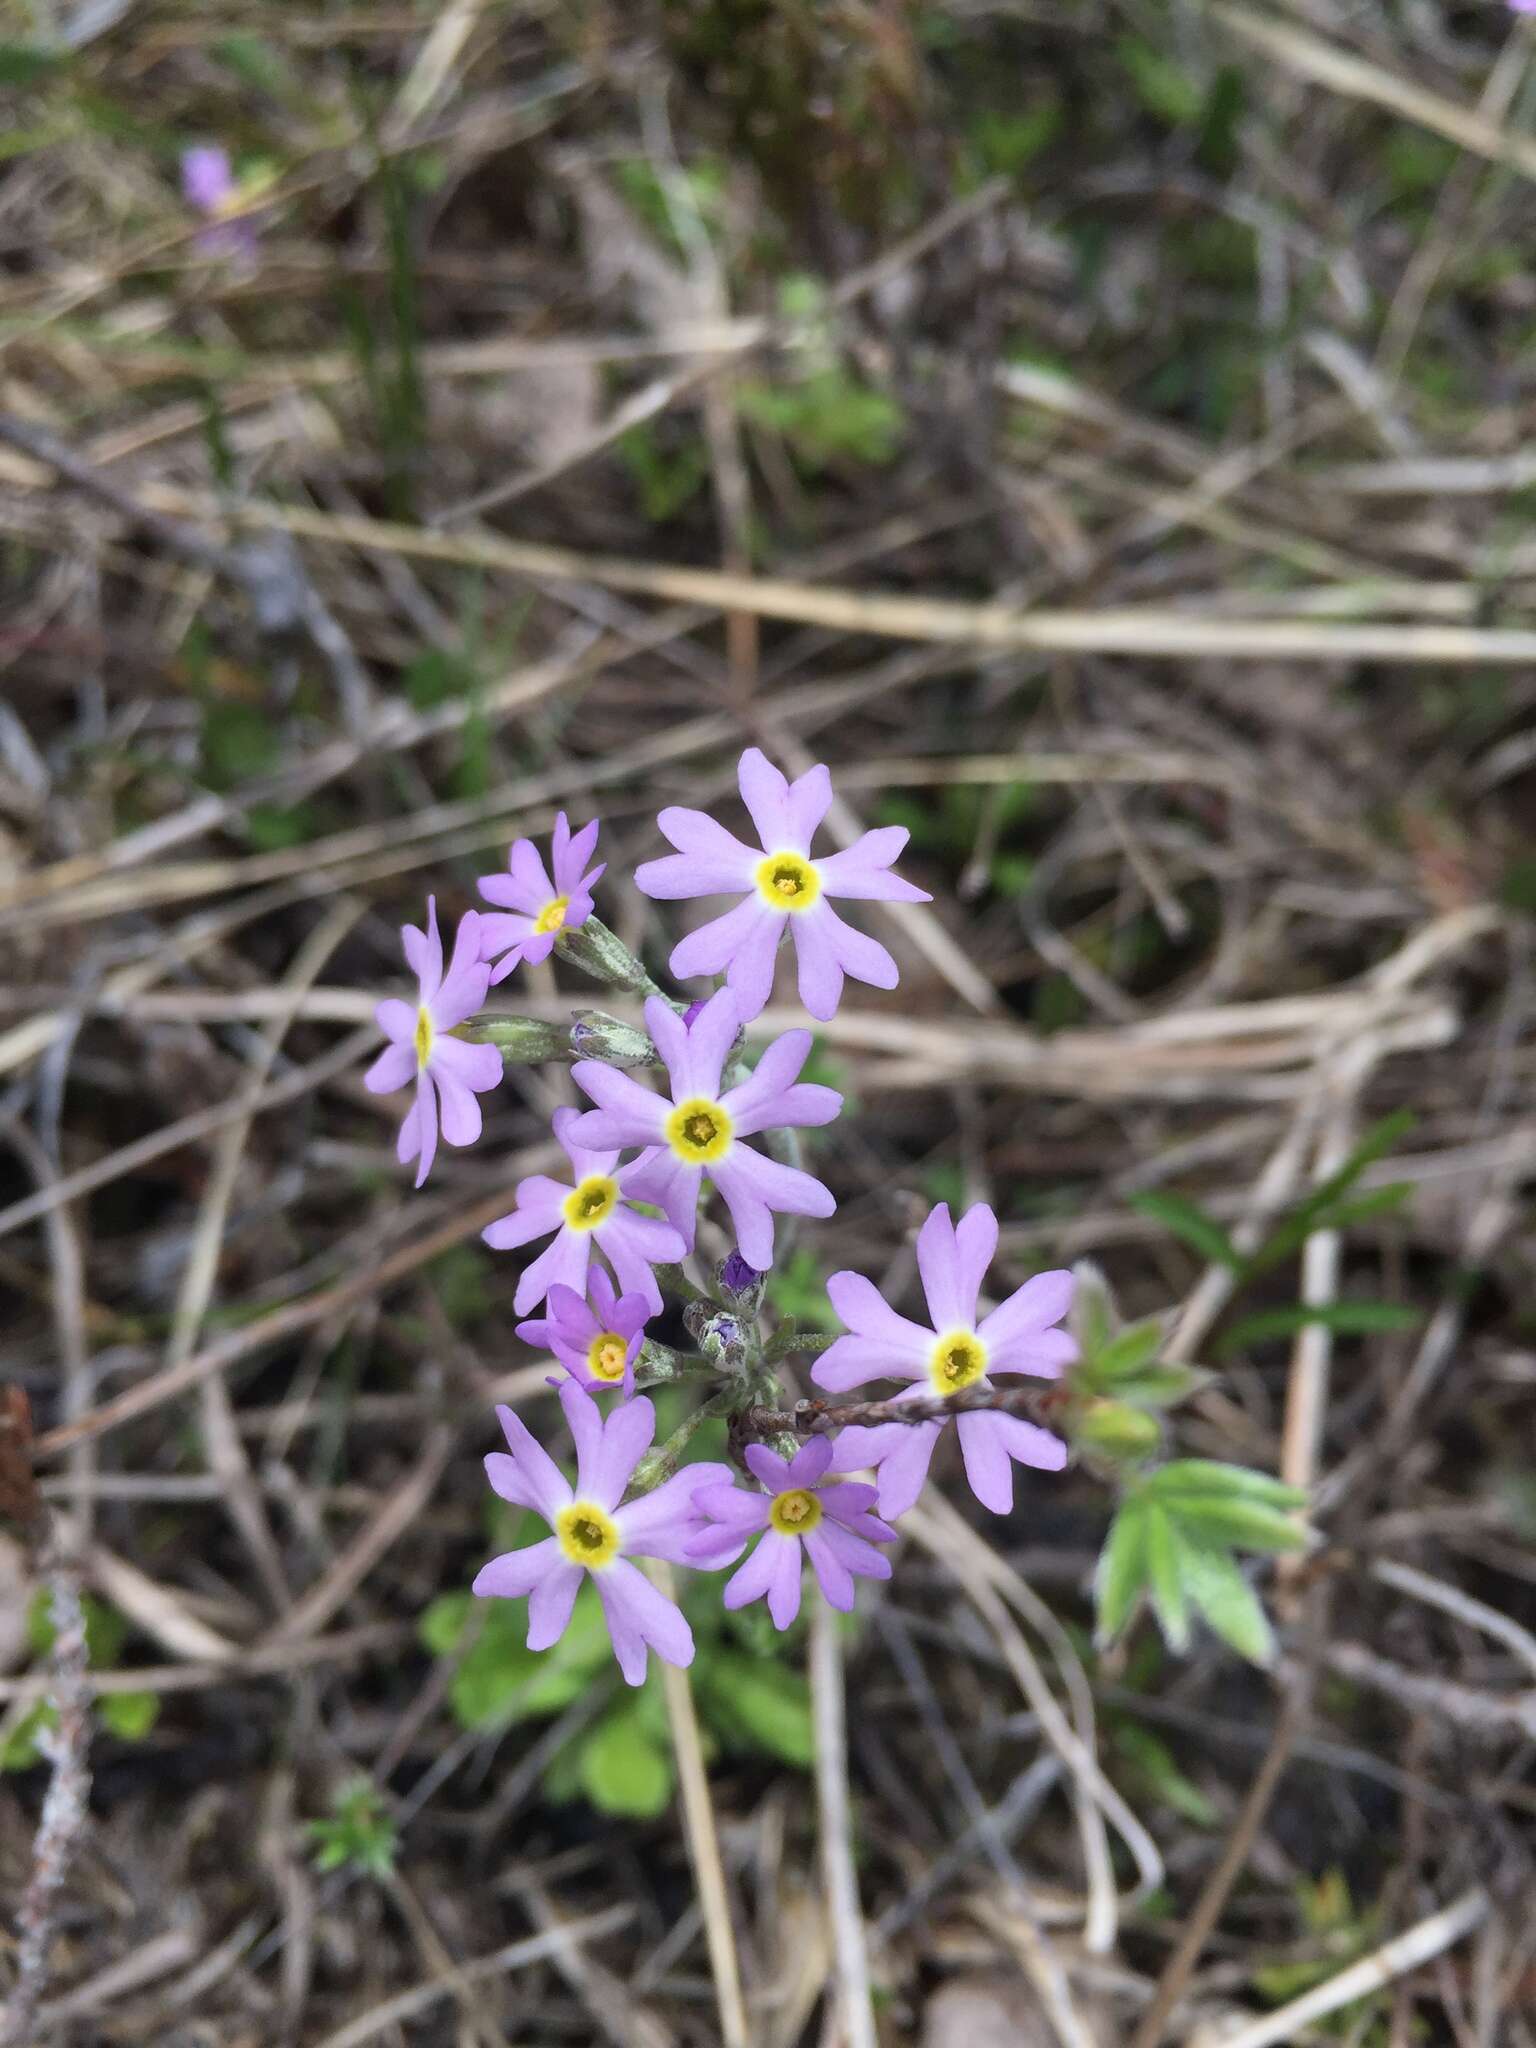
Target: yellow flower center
{"points": [[607, 1356], [795, 1513], [699, 1131], [552, 916], [590, 1202], [587, 1534], [426, 1030], [958, 1360], [788, 881]]}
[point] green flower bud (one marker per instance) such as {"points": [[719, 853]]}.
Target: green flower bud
{"points": [[596, 951], [1115, 1430], [522, 1041], [597, 1036]]}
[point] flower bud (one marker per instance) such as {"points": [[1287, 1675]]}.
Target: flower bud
{"points": [[521, 1041], [1115, 1430], [742, 1284], [597, 1036], [600, 953], [719, 1333]]}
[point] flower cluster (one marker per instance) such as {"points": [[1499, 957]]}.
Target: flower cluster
{"points": [[644, 1163]]}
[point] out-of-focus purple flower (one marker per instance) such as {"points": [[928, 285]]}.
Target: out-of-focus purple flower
{"points": [[1523, 6], [208, 185], [589, 1211], [446, 1070], [698, 1130], [830, 1523], [596, 1339], [593, 1534], [956, 1353], [783, 885], [533, 910]]}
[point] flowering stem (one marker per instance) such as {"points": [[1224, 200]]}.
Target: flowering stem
{"points": [[798, 1344], [815, 1418], [673, 1280], [660, 1464], [659, 1365]]}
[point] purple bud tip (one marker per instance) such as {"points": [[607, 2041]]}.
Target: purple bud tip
{"points": [[207, 181], [691, 1012], [737, 1277]]}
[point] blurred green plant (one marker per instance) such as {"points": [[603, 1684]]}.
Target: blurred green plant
{"points": [[128, 1715], [357, 1834]]}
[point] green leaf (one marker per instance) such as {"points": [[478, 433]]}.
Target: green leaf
{"points": [[129, 1714], [440, 1625], [1188, 1477], [1165, 1578], [1136, 1346], [622, 1771], [1237, 1524], [1348, 1318], [24, 64], [1163, 88], [1317, 1211], [1187, 1221], [1152, 1757], [19, 1751], [1162, 1386], [1228, 1603], [758, 1703], [1121, 1575]]}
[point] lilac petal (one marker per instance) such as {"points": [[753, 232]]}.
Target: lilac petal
{"points": [[583, 1158], [861, 1446], [461, 1119], [767, 1466], [394, 1068], [819, 967], [1044, 1354], [742, 934], [938, 1260], [854, 1361], [987, 1465], [765, 794], [903, 1471], [810, 1461], [529, 875], [708, 1039], [426, 1127], [808, 801], [424, 951], [628, 1315], [584, 1419], [738, 1508], [639, 1615], [851, 1552], [832, 1574], [569, 853], [712, 1548], [677, 877], [861, 871], [397, 1021], [541, 1482], [503, 938], [600, 1308], [753, 1186], [868, 1314], [538, 1212], [772, 1569], [627, 1114], [563, 1259], [1027, 1443], [626, 1437], [632, 1245], [770, 1098], [463, 987], [749, 973], [696, 832], [674, 1185], [856, 952], [477, 1066], [550, 1604], [517, 1572], [846, 1499], [663, 1523], [1027, 1311], [508, 894]]}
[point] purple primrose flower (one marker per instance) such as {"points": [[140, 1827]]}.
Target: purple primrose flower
{"points": [[781, 886], [532, 909], [697, 1130], [447, 1071], [589, 1212], [955, 1353], [596, 1340], [593, 1534], [801, 1516]]}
